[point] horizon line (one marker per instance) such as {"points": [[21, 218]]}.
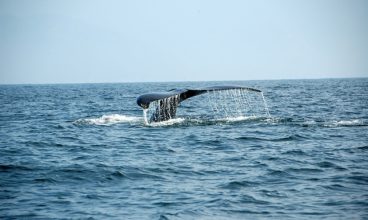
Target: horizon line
{"points": [[178, 81]]}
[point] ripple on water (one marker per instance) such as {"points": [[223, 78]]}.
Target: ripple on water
{"points": [[328, 164], [235, 185], [295, 152], [12, 168], [273, 193], [276, 139], [359, 178], [45, 180], [250, 199], [304, 171], [277, 177]]}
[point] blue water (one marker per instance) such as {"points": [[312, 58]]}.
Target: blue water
{"points": [[83, 151]]}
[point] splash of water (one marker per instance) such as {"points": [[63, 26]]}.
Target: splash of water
{"points": [[265, 105], [145, 116], [238, 103], [162, 110]]}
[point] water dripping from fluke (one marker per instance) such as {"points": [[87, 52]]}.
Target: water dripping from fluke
{"points": [[218, 101]]}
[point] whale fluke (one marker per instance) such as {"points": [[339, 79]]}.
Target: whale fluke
{"points": [[169, 101]]}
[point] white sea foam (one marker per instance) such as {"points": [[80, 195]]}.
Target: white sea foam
{"points": [[225, 120], [309, 123], [239, 118], [335, 123], [166, 123], [109, 120], [353, 122]]}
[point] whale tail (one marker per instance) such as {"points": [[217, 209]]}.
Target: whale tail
{"points": [[167, 102]]}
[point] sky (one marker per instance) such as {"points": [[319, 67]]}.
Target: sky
{"points": [[89, 41]]}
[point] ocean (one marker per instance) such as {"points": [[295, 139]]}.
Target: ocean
{"points": [[83, 151]]}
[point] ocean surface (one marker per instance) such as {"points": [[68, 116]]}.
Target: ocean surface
{"points": [[83, 151]]}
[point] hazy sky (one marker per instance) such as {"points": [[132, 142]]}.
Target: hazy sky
{"points": [[68, 41]]}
